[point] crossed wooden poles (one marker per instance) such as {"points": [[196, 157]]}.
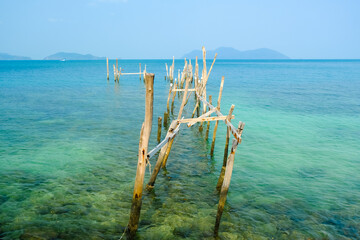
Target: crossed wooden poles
{"points": [[165, 145]]}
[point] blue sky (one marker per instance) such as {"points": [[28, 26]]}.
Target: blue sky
{"points": [[161, 29]]}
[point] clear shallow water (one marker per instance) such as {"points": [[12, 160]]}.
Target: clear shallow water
{"points": [[69, 139]]}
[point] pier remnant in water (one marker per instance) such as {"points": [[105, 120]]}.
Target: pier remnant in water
{"points": [[107, 68], [142, 158], [164, 146], [159, 129]]}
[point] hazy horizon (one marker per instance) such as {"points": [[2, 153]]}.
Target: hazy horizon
{"points": [[131, 29]]}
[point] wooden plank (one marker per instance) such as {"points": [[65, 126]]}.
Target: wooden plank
{"points": [[204, 119], [163, 142], [202, 116], [183, 90]]}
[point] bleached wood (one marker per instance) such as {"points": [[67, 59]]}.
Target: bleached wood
{"points": [[142, 158], [107, 68], [202, 119], [227, 179], [223, 168], [208, 123], [157, 167], [163, 142]]}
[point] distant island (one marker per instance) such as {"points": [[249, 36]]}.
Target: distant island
{"points": [[232, 53], [72, 56], [5, 56]]}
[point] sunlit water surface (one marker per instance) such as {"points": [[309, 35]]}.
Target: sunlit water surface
{"points": [[69, 142]]}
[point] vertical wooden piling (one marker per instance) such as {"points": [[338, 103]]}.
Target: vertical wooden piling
{"points": [[168, 99], [217, 122], [173, 97], [142, 158], [208, 123], [159, 129], [179, 117], [107, 68], [222, 172], [227, 179], [114, 72], [166, 116]]}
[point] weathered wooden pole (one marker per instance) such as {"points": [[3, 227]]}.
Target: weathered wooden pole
{"points": [[217, 122], [227, 179], [159, 129], [173, 97], [208, 123], [107, 68], [142, 158], [222, 172], [114, 72], [157, 167], [140, 71], [168, 99], [179, 117], [166, 116]]}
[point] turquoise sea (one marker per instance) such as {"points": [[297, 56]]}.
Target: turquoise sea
{"points": [[69, 142]]}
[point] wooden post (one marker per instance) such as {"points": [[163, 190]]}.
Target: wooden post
{"points": [[159, 129], [173, 97], [168, 99], [166, 116], [114, 72], [222, 172], [167, 72], [227, 179], [208, 123], [140, 71], [107, 68], [217, 122], [179, 117], [142, 158]]}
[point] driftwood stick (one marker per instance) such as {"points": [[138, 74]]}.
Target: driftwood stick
{"points": [[227, 179], [107, 68], [222, 172], [142, 158], [157, 167], [208, 123], [159, 129]]}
